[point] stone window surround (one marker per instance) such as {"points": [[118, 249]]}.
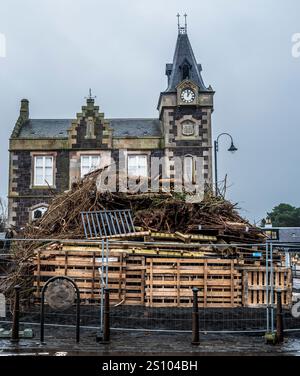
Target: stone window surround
{"points": [[193, 166], [137, 152], [35, 207], [75, 161], [54, 170], [89, 155], [139, 169]]}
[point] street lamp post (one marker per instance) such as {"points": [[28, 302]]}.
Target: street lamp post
{"points": [[232, 148]]}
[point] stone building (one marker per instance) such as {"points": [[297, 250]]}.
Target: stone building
{"points": [[48, 155]]}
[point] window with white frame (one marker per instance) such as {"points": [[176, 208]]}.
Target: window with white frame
{"points": [[89, 163], [38, 212], [43, 170], [137, 165], [189, 169]]}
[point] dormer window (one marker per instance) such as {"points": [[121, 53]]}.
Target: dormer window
{"points": [[185, 70]]}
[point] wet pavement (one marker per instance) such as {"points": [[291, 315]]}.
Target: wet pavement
{"points": [[61, 342]]}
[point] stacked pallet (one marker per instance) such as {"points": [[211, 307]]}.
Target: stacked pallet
{"points": [[170, 281], [142, 277], [85, 268], [259, 292]]}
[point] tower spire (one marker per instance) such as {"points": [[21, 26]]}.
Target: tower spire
{"points": [[184, 64]]}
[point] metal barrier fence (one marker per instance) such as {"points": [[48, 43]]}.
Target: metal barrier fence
{"points": [[247, 318]]}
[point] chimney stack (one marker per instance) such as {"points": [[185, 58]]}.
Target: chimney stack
{"points": [[24, 110]]}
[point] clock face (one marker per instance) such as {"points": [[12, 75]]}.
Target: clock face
{"points": [[187, 95]]}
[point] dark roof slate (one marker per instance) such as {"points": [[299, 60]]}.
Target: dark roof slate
{"points": [[289, 234], [135, 127], [45, 128], [57, 128]]}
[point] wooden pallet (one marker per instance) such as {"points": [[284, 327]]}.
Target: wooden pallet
{"points": [[125, 274], [138, 276], [255, 286], [169, 282]]}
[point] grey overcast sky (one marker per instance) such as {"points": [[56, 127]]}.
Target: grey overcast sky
{"points": [[57, 49]]}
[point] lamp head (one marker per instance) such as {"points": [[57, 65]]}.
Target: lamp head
{"points": [[232, 148]]}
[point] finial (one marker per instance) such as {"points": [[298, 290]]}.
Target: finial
{"points": [[181, 29], [185, 24], [178, 22], [90, 95]]}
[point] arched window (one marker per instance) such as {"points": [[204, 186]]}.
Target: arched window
{"points": [[38, 211], [189, 169]]}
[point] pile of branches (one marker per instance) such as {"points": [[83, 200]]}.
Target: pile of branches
{"points": [[159, 212], [163, 211]]}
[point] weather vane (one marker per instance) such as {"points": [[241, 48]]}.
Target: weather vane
{"points": [[90, 95], [178, 23], [185, 23], [181, 29]]}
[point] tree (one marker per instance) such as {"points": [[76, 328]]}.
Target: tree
{"points": [[285, 215]]}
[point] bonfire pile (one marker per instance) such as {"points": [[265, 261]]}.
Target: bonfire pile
{"points": [[161, 212], [165, 212]]}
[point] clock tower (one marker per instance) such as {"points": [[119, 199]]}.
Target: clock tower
{"points": [[185, 110]]}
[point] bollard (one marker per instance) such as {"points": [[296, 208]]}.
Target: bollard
{"points": [[279, 318], [106, 318], [195, 318], [16, 316]]}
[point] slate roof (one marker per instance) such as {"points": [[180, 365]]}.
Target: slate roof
{"points": [[57, 128], [184, 51], [45, 128], [289, 234], [135, 127]]}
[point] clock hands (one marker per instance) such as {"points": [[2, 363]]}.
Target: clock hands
{"points": [[187, 95]]}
